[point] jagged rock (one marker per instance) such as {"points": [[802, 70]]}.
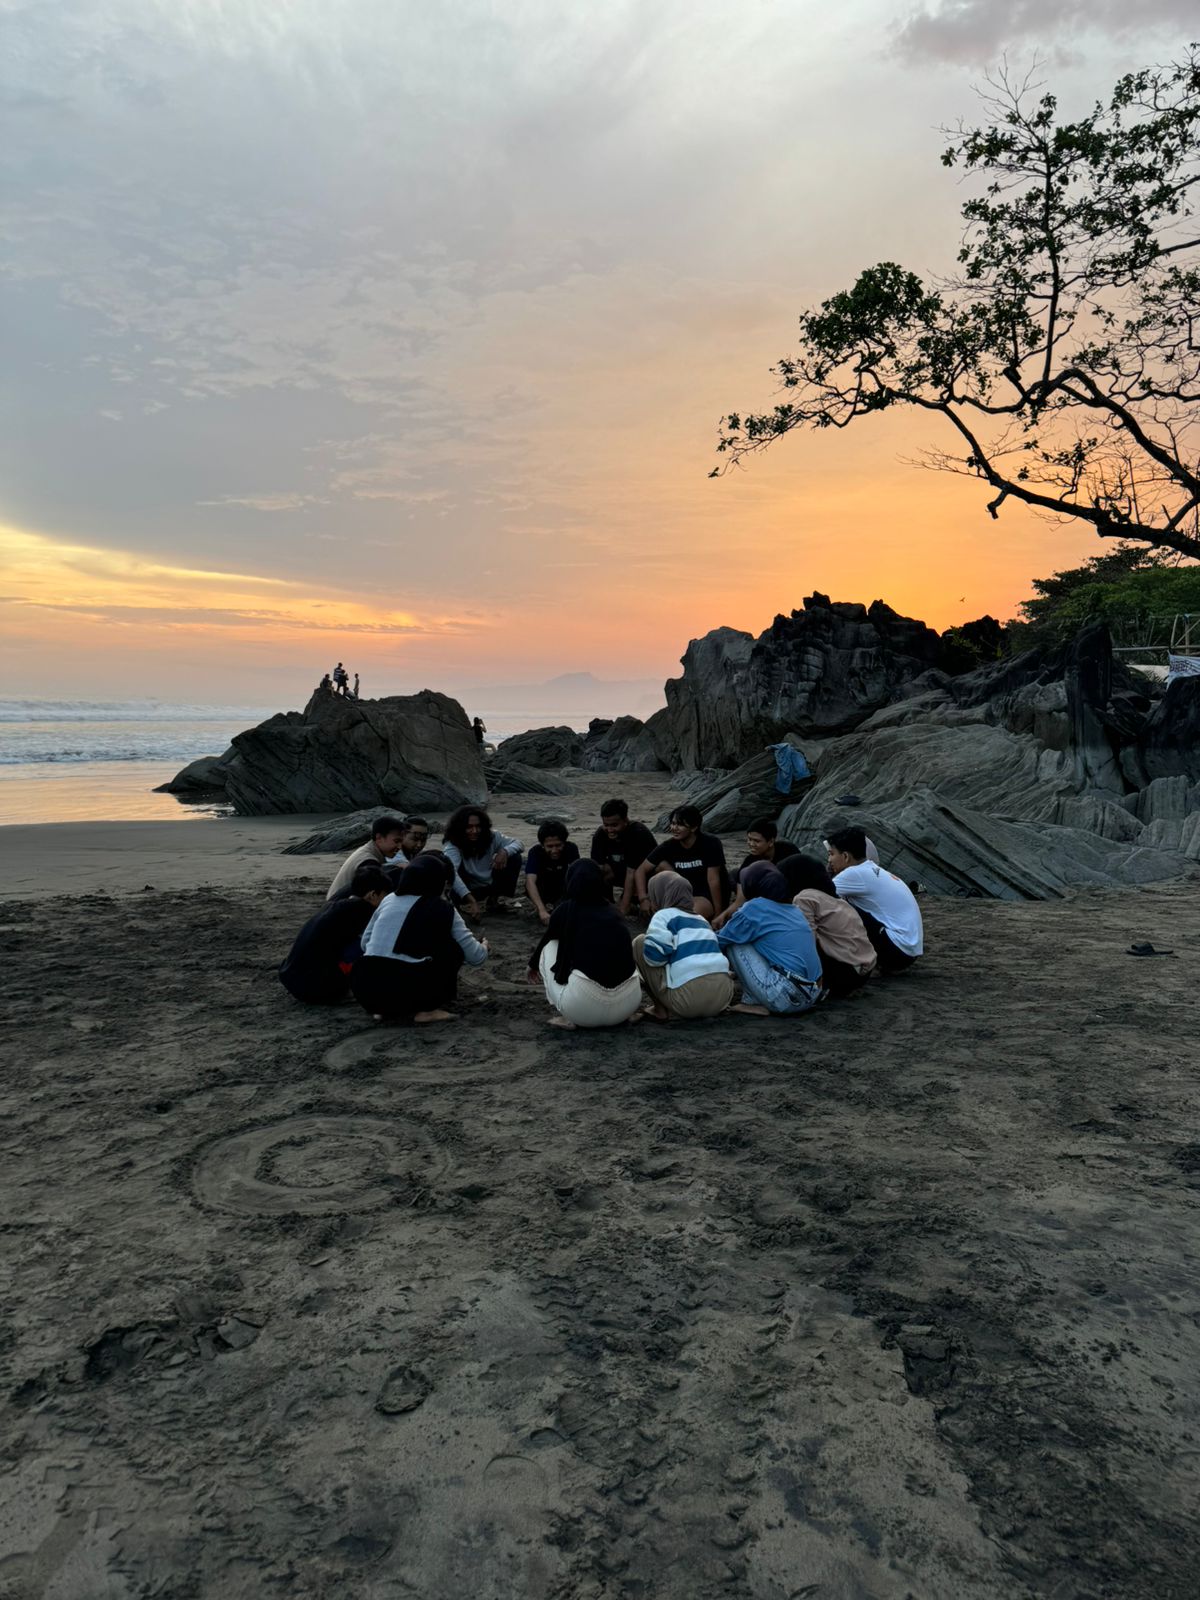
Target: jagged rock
{"points": [[822, 670], [956, 850], [622, 745], [517, 778], [1169, 742], [541, 747], [403, 753], [732, 800], [340, 836], [204, 777]]}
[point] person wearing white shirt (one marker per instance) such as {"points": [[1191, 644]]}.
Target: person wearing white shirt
{"points": [[886, 904]]}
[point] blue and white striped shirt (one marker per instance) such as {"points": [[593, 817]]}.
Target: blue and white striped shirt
{"points": [[684, 944]]}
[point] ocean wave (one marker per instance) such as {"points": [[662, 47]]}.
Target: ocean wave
{"points": [[163, 711]]}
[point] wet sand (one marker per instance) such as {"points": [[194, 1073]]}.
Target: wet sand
{"points": [[897, 1299]]}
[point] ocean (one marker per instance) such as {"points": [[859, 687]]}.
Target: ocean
{"points": [[100, 760]]}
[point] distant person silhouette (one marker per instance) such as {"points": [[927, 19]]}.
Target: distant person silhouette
{"points": [[341, 679], [356, 685], [326, 683], [478, 729]]}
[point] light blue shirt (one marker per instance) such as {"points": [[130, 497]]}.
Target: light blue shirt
{"points": [[780, 933]]}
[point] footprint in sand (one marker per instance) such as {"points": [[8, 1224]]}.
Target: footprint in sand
{"points": [[313, 1165]]}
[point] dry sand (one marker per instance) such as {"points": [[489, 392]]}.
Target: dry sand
{"points": [[898, 1299]]}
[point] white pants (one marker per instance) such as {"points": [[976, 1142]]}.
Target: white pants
{"points": [[584, 1002]]}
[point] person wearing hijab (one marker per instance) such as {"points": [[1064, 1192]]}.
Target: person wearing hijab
{"points": [[585, 957], [847, 955], [678, 955], [413, 947], [771, 948]]}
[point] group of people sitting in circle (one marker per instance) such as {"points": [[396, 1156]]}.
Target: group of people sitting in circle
{"points": [[781, 934]]}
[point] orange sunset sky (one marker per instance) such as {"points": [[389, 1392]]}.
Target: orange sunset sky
{"points": [[399, 333]]}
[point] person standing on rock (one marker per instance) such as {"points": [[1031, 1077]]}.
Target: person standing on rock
{"points": [[413, 947], [341, 680], [356, 685], [478, 729], [887, 905], [387, 834], [771, 948], [486, 862], [317, 968], [698, 857], [619, 847]]}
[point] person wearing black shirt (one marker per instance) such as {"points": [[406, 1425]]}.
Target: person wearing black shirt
{"points": [[619, 847], [763, 844], [698, 857], [585, 957], [317, 968], [546, 867]]}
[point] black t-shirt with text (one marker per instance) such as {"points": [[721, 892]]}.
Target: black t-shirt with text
{"points": [[551, 875], [626, 852], [692, 861]]}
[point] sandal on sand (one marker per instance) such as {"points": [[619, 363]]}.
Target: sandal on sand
{"points": [[1147, 950]]}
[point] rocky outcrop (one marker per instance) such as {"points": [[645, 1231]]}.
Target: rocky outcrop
{"points": [[405, 753], [1168, 744], [337, 837], [517, 778], [203, 779], [541, 747], [732, 800], [620, 745], [822, 670]]}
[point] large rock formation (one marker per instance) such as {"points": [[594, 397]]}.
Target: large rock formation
{"points": [[1019, 779], [203, 779], [624, 745], [406, 753], [541, 747], [823, 670]]}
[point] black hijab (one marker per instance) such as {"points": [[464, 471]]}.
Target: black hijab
{"points": [[584, 893], [806, 872], [428, 922], [762, 879]]}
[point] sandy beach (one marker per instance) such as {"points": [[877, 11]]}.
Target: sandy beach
{"points": [[897, 1299]]}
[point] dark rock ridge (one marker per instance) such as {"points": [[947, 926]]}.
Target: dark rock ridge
{"points": [[822, 670], [624, 745], [541, 747], [1043, 772], [201, 779], [403, 753]]}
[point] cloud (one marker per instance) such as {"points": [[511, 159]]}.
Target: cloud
{"points": [[283, 500], [978, 32]]}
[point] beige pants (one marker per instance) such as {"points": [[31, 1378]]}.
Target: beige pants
{"points": [[706, 996], [584, 1002]]}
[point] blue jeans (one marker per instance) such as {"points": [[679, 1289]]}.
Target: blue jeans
{"points": [[765, 985]]}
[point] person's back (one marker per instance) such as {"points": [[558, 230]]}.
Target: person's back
{"points": [[317, 968], [684, 944], [887, 905], [779, 932]]}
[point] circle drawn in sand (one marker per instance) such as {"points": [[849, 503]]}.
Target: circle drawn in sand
{"points": [[405, 1056], [312, 1165]]}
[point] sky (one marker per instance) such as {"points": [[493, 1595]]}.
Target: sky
{"points": [[399, 333]]}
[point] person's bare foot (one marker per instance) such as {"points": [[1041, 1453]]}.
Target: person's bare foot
{"points": [[433, 1016], [560, 1022], [751, 1011], [656, 1013], [636, 1017]]}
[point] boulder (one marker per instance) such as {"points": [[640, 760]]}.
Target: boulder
{"points": [[517, 778], [622, 745], [404, 753], [732, 800], [202, 778], [541, 747]]}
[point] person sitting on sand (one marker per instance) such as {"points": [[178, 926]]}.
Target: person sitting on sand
{"points": [[413, 840], [679, 957], [886, 904], [762, 844], [546, 867], [585, 957], [620, 847], [486, 862], [413, 947], [317, 968], [386, 835], [771, 948], [698, 857], [847, 955]]}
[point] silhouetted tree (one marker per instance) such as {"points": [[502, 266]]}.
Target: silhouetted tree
{"points": [[1065, 353]]}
